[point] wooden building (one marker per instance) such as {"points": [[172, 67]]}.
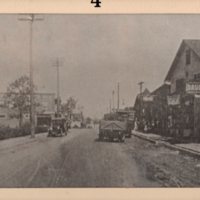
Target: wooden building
{"points": [[174, 108], [183, 99]]}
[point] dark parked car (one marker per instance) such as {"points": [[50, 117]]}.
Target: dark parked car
{"points": [[58, 127]]}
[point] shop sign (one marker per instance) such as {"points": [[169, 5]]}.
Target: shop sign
{"points": [[173, 100], [148, 98], [197, 95], [193, 87]]}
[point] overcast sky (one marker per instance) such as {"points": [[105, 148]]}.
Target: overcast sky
{"points": [[96, 51]]}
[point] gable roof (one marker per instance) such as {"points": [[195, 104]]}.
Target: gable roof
{"points": [[146, 92], [194, 45], [162, 89]]}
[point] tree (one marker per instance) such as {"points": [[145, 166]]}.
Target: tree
{"points": [[18, 97], [69, 106]]}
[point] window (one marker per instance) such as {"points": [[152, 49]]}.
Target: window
{"points": [[188, 57], [197, 77], [180, 85]]}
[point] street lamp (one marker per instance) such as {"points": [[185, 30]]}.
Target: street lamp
{"points": [[31, 18]]}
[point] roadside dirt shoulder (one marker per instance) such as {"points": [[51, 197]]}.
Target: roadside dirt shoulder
{"points": [[168, 167]]}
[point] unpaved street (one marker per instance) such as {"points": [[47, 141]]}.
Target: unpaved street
{"points": [[80, 160]]}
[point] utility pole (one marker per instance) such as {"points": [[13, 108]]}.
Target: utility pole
{"points": [[31, 18], [123, 102], [141, 99], [110, 107], [113, 100], [58, 65], [118, 96], [140, 86]]}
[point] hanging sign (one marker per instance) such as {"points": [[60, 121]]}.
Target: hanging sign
{"points": [[193, 87], [173, 100]]}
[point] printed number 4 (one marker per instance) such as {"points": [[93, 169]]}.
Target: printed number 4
{"points": [[97, 2]]}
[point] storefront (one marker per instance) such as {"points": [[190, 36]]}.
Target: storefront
{"points": [[180, 114]]}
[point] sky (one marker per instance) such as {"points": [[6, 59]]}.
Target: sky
{"points": [[95, 52]]}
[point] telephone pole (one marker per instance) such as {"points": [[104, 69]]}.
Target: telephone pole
{"points": [[113, 100], [140, 86], [118, 96], [58, 65], [31, 18], [110, 106], [141, 99]]}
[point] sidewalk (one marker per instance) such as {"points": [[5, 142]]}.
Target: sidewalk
{"points": [[191, 148], [18, 141]]}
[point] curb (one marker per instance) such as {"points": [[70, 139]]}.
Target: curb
{"points": [[182, 150], [144, 138]]}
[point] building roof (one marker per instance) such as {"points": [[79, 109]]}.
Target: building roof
{"points": [[146, 92], [162, 89], [194, 45]]}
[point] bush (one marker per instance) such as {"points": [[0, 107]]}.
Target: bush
{"points": [[7, 132]]}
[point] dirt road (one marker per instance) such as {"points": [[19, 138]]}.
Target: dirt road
{"points": [[80, 160], [77, 160]]}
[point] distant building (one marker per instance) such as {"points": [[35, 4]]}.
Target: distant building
{"points": [[45, 108], [137, 106], [77, 120], [46, 102]]}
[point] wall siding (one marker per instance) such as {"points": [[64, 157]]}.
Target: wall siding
{"points": [[181, 68]]}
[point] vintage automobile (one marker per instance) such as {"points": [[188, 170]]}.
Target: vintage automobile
{"points": [[128, 117], [58, 127], [112, 129], [122, 117]]}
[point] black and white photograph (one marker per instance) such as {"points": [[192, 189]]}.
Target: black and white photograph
{"points": [[99, 100]]}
